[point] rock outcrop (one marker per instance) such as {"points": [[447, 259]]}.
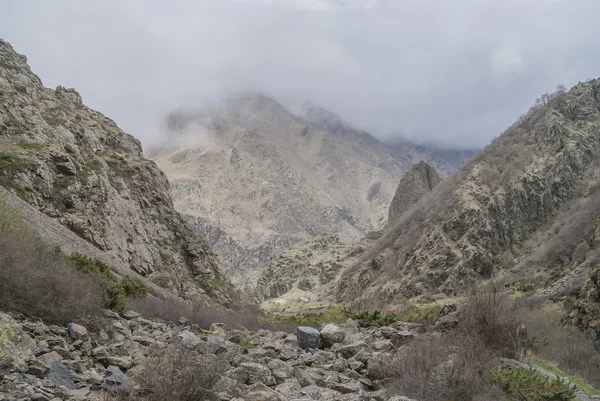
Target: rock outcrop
{"points": [[525, 205], [76, 166], [252, 174], [413, 186], [308, 269]]}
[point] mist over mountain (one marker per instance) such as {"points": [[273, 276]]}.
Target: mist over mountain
{"points": [[449, 73], [255, 178]]}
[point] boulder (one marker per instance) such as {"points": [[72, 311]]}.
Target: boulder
{"points": [[332, 334], [309, 337], [348, 351], [116, 382], [251, 373], [447, 322], [49, 358], [77, 332], [59, 374]]}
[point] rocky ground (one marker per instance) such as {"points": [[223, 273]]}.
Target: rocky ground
{"points": [[342, 362]]}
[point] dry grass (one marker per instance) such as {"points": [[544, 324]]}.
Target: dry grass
{"points": [[37, 283], [203, 314]]}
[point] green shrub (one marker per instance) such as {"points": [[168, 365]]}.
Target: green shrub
{"points": [[115, 290], [372, 318], [32, 145], [53, 121], [134, 288], [531, 385]]}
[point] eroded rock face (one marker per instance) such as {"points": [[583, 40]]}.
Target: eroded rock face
{"points": [[419, 180], [77, 166]]}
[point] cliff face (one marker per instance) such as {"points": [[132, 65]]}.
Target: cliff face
{"points": [[262, 179], [526, 204], [77, 166], [413, 186]]}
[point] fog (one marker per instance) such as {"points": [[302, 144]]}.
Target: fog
{"points": [[449, 72]]}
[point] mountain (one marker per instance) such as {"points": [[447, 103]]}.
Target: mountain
{"points": [[413, 186], [257, 179], [76, 166], [523, 210]]}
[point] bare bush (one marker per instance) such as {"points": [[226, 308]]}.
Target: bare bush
{"points": [[202, 314], [552, 340], [178, 373], [37, 283], [487, 315], [453, 367]]}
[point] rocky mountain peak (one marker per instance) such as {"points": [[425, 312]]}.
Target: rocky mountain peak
{"points": [[419, 180]]}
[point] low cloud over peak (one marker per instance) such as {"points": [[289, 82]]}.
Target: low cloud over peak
{"points": [[453, 72]]}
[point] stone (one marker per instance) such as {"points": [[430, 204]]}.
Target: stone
{"points": [[117, 382], [189, 338], [281, 371], [347, 388], [49, 358], [41, 351], [129, 315], [59, 374], [77, 332], [447, 322], [308, 337], [80, 392], [350, 350], [251, 373], [332, 334], [121, 362], [260, 392], [378, 366]]}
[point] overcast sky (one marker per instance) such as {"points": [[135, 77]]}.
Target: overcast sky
{"points": [[453, 72]]}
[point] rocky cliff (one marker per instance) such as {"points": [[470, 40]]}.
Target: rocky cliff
{"points": [[252, 174], [417, 182], [524, 206], [76, 166]]}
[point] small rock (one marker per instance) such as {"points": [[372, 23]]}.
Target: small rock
{"points": [[77, 332], [308, 337], [129, 315], [41, 351], [346, 388]]}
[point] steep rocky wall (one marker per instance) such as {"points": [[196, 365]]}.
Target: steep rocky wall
{"points": [[459, 232], [77, 166]]}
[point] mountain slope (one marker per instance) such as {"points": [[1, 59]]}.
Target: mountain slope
{"points": [[261, 179], [77, 166], [524, 206]]}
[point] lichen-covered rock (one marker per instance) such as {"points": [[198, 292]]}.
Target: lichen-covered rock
{"points": [[76, 166]]}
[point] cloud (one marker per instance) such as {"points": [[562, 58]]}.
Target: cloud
{"points": [[453, 72]]}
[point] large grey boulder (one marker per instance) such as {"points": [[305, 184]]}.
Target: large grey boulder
{"points": [[59, 374], [332, 334], [309, 337], [116, 381]]}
